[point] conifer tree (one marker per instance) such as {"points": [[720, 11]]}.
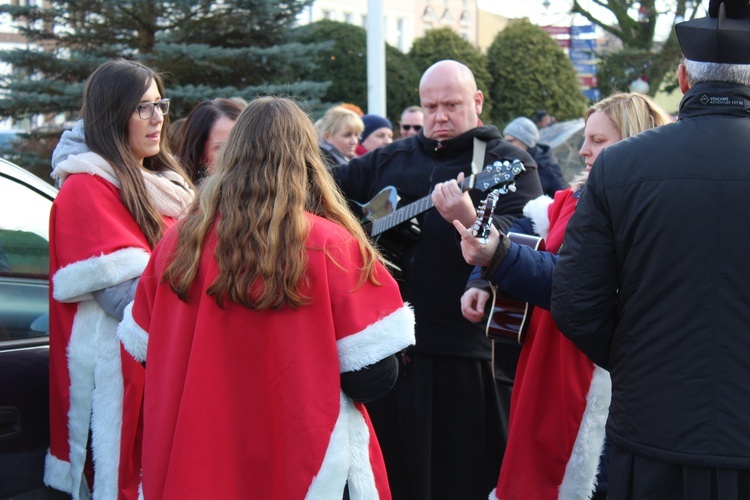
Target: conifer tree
{"points": [[205, 48]]}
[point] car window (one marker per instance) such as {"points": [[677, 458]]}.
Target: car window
{"points": [[24, 260], [24, 230]]}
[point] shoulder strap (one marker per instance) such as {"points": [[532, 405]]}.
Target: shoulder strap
{"points": [[477, 162]]}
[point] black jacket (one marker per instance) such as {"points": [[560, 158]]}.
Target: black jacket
{"points": [[434, 270], [550, 172], [653, 282]]}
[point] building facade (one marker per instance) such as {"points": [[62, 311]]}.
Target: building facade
{"points": [[403, 20]]}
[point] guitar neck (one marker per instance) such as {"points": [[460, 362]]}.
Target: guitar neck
{"points": [[403, 214], [411, 210]]}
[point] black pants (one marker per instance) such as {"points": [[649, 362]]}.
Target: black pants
{"points": [[442, 429], [639, 478]]}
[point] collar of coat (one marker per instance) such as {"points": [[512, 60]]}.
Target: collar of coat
{"points": [[716, 98]]}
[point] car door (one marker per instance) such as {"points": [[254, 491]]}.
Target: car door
{"points": [[25, 203]]}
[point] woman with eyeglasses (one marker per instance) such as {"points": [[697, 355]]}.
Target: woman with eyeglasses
{"points": [[120, 190]]}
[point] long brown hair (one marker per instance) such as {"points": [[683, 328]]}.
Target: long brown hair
{"points": [[112, 93], [269, 173]]}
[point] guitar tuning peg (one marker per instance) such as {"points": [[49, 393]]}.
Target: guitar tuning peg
{"points": [[512, 188]]}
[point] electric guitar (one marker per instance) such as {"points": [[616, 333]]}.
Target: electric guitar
{"points": [[380, 214]]}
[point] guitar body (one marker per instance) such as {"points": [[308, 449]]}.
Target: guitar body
{"points": [[509, 317]]}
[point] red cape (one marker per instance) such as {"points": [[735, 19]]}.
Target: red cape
{"points": [[559, 404], [94, 244], [248, 404]]}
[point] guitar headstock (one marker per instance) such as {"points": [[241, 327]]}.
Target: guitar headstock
{"points": [[481, 227], [499, 175]]}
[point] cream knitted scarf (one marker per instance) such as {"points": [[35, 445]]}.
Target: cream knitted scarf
{"points": [[168, 190]]}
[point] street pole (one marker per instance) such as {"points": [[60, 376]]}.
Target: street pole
{"points": [[375, 58]]}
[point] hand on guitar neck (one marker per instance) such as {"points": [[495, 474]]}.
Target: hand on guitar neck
{"points": [[380, 215]]}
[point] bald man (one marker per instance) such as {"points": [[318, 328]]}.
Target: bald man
{"points": [[442, 428]]}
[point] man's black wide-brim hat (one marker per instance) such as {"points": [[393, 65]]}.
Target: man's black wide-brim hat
{"points": [[722, 37]]}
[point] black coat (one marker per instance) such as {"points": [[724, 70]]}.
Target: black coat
{"points": [[653, 282], [550, 172], [435, 272]]}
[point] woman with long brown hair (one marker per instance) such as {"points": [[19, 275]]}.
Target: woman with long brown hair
{"points": [[269, 319], [119, 192]]}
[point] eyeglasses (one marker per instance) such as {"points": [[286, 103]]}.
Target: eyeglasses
{"points": [[417, 128], [146, 111]]}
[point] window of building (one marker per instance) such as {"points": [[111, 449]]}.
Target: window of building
{"points": [[446, 18]]}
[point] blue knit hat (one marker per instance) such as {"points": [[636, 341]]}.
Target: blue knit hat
{"points": [[372, 123]]}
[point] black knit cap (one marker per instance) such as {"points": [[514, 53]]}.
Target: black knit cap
{"points": [[722, 37]]}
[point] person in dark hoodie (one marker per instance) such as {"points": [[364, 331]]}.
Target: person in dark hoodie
{"points": [[523, 133], [443, 427]]}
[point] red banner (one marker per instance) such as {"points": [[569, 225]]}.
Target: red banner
{"points": [[557, 30], [588, 81]]}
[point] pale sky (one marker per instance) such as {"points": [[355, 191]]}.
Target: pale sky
{"points": [[558, 12]]}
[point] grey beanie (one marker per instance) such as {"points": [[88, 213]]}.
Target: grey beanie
{"points": [[524, 130]]}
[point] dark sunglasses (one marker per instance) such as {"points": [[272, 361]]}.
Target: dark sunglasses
{"points": [[417, 128]]}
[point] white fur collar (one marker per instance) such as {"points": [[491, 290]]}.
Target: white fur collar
{"points": [[536, 210]]}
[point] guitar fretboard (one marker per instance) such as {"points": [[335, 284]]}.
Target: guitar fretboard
{"points": [[411, 210], [393, 219]]}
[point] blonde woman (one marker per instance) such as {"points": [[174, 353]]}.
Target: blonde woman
{"points": [[560, 398], [338, 135], [269, 319]]}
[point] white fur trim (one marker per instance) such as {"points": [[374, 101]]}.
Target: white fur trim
{"points": [[379, 340], [347, 459], [75, 281], [580, 473], [537, 211], [106, 414], [96, 392], [57, 473], [81, 360], [133, 337], [493, 495]]}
